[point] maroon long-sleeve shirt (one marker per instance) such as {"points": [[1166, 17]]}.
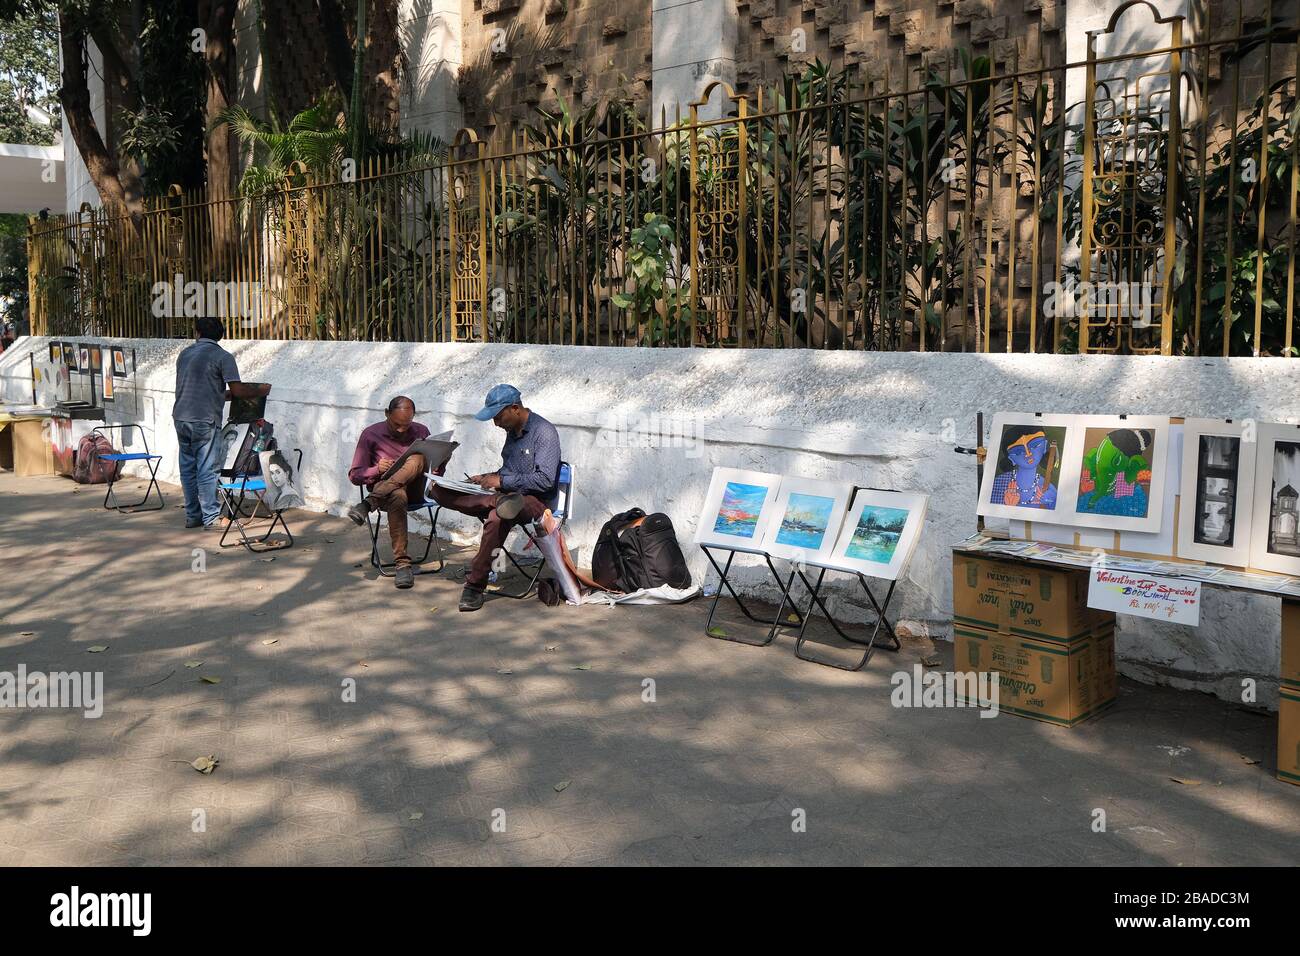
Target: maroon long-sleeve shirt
{"points": [[378, 442]]}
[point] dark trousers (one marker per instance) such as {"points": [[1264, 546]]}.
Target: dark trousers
{"points": [[495, 528], [391, 495]]}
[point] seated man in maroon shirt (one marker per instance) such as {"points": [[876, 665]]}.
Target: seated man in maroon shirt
{"points": [[378, 449]]}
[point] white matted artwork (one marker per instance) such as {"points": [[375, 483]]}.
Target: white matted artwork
{"points": [[282, 483], [232, 440], [1275, 518], [1164, 541], [1118, 481], [737, 509], [1032, 459], [879, 533], [807, 519], [1216, 494]]}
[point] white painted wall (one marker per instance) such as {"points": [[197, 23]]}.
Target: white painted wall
{"points": [[430, 32], [881, 419], [694, 44]]}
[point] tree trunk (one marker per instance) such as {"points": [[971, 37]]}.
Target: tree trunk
{"points": [[75, 100], [217, 18]]}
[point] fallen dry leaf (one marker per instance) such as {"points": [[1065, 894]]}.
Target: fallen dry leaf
{"points": [[505, 670], [1250, 760], [210, 680], [193, 663], [1186, 781], [716, 631], [271, 640], [26, 633], [562, 785], [582, 667], [205, 764], [934, 660], [416, 816], [97, 649]]}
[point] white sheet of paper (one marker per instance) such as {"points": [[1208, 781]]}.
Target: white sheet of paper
{"points": [[1145, 595]]}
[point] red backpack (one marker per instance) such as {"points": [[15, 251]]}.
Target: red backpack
{"points": [[90, 469]]}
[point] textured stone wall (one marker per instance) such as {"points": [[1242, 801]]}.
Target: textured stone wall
{"points": [[520, 54], [904, 35]]}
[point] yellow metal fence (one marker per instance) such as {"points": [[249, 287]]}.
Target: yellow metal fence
{"points": [[1131, 203]]}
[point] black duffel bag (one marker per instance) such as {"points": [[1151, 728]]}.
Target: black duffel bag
{"points": [[635, 551]]}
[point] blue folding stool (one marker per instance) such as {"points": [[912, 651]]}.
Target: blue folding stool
{"points": [[233, 492], [151, 460]]}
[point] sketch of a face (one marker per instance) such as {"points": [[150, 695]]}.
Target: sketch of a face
{"points": [[278, 476]]}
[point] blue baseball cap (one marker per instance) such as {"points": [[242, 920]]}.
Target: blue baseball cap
{"points": [[501, 396]]}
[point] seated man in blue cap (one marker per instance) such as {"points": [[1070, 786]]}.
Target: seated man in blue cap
{"points": [[526, 484]]}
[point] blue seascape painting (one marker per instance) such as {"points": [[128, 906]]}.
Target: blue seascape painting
{"points": [[804, 524]]}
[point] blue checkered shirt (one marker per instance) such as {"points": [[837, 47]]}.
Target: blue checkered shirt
{"points": [[530, 461]]}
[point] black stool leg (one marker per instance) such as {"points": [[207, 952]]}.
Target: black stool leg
{"points": [[881, 621], [773, 626]]}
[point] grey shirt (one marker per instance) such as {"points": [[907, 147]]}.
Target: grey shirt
{"points": [[202, 373]]}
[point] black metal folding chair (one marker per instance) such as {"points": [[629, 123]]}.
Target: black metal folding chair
{"points": [[152, 461], [375, 521]]}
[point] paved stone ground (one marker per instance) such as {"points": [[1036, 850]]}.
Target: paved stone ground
{"points": [[460, 715]]}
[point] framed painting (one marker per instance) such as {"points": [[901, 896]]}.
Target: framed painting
{"points": [[119, 363], [1275, 518], [83, 358], [108, 383], [880, 533], [70, 356], [1115, 476], [737, 509], [56, 352], [1216, 492], [1030, 463], [808, 519]]}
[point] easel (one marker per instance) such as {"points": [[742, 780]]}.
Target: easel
{"points": [[723, 572]]}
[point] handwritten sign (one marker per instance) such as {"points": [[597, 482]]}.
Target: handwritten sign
{"points": [[1145, 595]]}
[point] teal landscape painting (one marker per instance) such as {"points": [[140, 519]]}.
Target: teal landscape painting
{"points": [[876, 536]]}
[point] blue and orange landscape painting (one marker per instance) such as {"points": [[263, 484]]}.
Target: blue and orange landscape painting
{"points": [[740, 508], [804, 524]]}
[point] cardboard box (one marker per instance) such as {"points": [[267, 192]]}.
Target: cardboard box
{"points": [[1288, 736], [1291, 645], [32, 452], [1011, 597], [1060, 682]]}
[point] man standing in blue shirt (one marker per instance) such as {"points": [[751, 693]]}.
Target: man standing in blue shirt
{"points": [[206, 376], [526, 484]]}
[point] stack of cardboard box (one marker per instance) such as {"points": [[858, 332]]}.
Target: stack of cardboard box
{"points": [[1288, 710], [1054, 655]]}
